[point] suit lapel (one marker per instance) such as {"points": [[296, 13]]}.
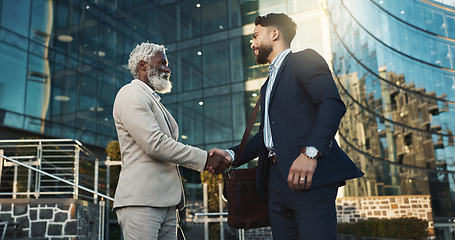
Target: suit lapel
{"points": [[170, 121], [278, 76], [262, 96]]}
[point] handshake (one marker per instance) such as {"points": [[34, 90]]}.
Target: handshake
{"points": [[218, 161]]}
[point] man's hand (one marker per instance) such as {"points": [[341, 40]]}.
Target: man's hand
{"points": [[220, 152], [302, 168], [216, 162]]}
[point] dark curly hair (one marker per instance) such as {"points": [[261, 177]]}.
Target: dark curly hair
{"points": [[282, 22]]}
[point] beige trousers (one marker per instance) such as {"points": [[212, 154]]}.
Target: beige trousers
{"points": [[148, 223]]}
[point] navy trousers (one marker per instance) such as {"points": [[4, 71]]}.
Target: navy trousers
{"points": [[302, 215]]}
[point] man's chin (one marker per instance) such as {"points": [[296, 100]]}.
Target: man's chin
{"points": [[261, 61], [165, 88]]}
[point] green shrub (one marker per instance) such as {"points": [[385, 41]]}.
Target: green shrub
{"points": [[113, 151], [401, 228]]}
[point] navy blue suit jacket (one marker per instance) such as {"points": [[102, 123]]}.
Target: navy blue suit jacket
{"points": [[305, 110]]}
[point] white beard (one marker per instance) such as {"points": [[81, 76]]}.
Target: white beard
{"points": [[158, 82]]}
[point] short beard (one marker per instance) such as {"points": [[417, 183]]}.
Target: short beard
{"points": [[157, 81], [263, 54]]}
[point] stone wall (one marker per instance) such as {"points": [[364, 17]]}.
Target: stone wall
{"points": [[353, 209], [53, 219], [259, 234]]}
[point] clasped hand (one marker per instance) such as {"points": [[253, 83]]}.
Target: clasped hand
{"points": [[217, 161]]}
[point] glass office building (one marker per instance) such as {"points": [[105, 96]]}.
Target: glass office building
{"points": [[394, 62], [63, 61]]}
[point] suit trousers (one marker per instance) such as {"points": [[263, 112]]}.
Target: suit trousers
{"points": [[303, 215], [148, 223]]}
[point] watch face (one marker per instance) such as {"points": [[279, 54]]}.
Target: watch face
{"points": [[311, 152]]}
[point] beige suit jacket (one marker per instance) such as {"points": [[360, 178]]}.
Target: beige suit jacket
{"points": [[148, 134]]}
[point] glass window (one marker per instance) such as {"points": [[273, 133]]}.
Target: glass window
{"points": [[13, 119], [38, 87], [249, 11], [189, 24], [153, 24], [37, 104], [450, 25], [439, 24], [12, 83], [415, 45], [215, 60], [15, 16], [236, 59], [13, 39], [419, 20], [444, 56], [140, 25], [404, 36], [214, 16], [235, 16], [168, 24], [191, 121], [217, 119], [64, 97], [186, 66], [41, 20], [239, 117], [88, 39], [452, 55], [429, 19], [387, 31]]}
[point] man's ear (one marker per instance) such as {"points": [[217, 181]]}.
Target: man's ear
{"points": [[275, 34], [141, 66]]}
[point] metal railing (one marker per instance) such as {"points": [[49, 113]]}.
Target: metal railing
{"points": [[65, 158], [97, 194], [54, 168], [219, 217]]}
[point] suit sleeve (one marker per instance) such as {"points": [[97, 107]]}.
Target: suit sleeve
{"points": [[251, 149], [316, 79], [136, 116]]}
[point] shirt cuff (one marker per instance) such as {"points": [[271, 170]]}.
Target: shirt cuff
{"points": [[231, 153]]}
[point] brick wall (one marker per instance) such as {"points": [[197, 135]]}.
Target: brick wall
{"points": [[53, 219]]}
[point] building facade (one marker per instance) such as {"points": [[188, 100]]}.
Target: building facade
{"points": [[64, 61], [394, 62]]}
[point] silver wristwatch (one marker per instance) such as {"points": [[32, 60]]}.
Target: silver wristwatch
{"points": [[311, 152]]}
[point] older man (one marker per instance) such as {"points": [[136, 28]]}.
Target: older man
{"points": [[149, 190]]}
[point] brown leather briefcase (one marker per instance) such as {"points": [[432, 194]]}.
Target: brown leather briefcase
{"points": [[245, 209]]}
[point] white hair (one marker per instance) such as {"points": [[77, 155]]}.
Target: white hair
{"points": [[143, 52]]}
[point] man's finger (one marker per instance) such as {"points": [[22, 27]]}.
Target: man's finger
{"points": [[308, 181], [290, 177]]}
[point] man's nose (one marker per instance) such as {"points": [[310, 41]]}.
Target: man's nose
{"points": [[166, 69]]}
